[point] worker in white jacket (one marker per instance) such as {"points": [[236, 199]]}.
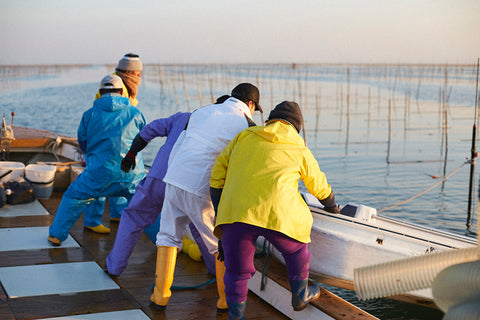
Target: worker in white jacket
{"points": [[187, 191]]}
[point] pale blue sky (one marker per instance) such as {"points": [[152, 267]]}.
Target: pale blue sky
{"points": [[215, 31]]}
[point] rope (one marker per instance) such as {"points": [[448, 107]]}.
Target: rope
{"points": [[426, 190], [189, 287], [194, 287], [265, 252], [53, 144]]}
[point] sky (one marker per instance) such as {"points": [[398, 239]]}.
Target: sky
{"points": [[242, 31]]}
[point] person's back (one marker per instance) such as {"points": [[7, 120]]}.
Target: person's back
{"points": [[187, 198], [110, 127], [104, 135], [209, 130], [254, 188]]}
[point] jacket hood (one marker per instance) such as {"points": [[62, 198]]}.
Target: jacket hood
{"points": [[111, 103], [279, 132]]}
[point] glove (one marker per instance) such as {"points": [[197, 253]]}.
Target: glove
{"points": [[332, 209], [215, 195], [220, 256], [329, 204], [128, 162]]}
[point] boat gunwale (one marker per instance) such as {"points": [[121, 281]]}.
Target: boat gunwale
{"points": [[433, 231]]}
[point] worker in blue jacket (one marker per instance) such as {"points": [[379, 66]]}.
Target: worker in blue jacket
{"points": [[129, 69], [105, 133]]}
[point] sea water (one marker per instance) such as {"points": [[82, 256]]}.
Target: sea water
{"points": [[386, 136]]}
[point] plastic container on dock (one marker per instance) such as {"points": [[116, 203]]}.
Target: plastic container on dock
{"points": [[41, 177], [18, 170]]}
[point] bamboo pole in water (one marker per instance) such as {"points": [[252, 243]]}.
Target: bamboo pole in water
{"points": [[318, 105], [185, 89], [473, 155], [446, 145], [348, 110], [160, 78], [369, 109], [176, 96], [170, 89], [271, 88], [210, 82], [389, 129]]}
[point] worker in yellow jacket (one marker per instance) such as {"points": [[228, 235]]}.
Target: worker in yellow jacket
{"points": [[254, 189]]}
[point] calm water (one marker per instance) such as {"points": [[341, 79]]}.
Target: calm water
{"points": [[382, 134]]}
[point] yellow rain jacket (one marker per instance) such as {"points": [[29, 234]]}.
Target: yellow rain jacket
{"points": [[259, 171], [133, 101]]}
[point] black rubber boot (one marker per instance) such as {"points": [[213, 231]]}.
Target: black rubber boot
{"points": [[236, 310], [303, 293]]}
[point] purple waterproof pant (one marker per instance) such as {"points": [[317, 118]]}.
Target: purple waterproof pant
{"points": [[238, 243], [143, 209]]}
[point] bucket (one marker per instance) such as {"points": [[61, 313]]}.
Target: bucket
{"points": [[18, 170], [41, 178]]}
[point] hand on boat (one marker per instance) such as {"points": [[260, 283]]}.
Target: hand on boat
{"points": [[128, 162]]}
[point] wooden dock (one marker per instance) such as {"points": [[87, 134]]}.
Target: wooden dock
{"points": [[135, 283]]}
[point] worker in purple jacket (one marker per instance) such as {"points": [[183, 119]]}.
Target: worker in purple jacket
{"points": [[146, 204]]}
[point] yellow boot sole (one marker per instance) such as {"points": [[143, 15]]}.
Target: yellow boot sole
{"points": [[99, 229], [54, 241]]}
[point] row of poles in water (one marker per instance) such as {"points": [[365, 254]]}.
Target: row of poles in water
{"points": [[305, 83]]}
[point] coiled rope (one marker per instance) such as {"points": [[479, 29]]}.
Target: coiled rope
{"points": [[426, 190]]}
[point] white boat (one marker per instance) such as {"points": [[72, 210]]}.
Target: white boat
{"points": [[360, 237]]}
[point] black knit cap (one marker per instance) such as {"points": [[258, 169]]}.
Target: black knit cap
{"points": [[248, 91], [288, 111]]}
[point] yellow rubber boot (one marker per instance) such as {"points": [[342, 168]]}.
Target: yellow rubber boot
{"points": [[191, 248], [166, 260], [220, 273], [99, 229]]}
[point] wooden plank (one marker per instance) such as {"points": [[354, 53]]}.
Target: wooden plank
{"points": [[328, 303], [64, 305], [44, 256], [280, 298], [30, 138], [26, 221]]}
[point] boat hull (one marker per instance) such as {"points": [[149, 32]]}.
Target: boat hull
{"points": [[340, 243]]}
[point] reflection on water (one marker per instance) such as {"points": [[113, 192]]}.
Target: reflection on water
{"points": [[382, 133]]}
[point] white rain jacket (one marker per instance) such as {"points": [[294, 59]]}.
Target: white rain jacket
{"points": [[209, 130]]}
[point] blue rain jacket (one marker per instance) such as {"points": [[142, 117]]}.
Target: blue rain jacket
{"points": [[107, 131]]}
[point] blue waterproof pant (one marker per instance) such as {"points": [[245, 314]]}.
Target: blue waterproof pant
{"points": [[92, 215], [238, 243], [143, 213], [79, 195]]}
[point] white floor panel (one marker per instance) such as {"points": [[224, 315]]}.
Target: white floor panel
{"points": [[57, 278], [34, 208], [135, 314], [29, 239]]}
